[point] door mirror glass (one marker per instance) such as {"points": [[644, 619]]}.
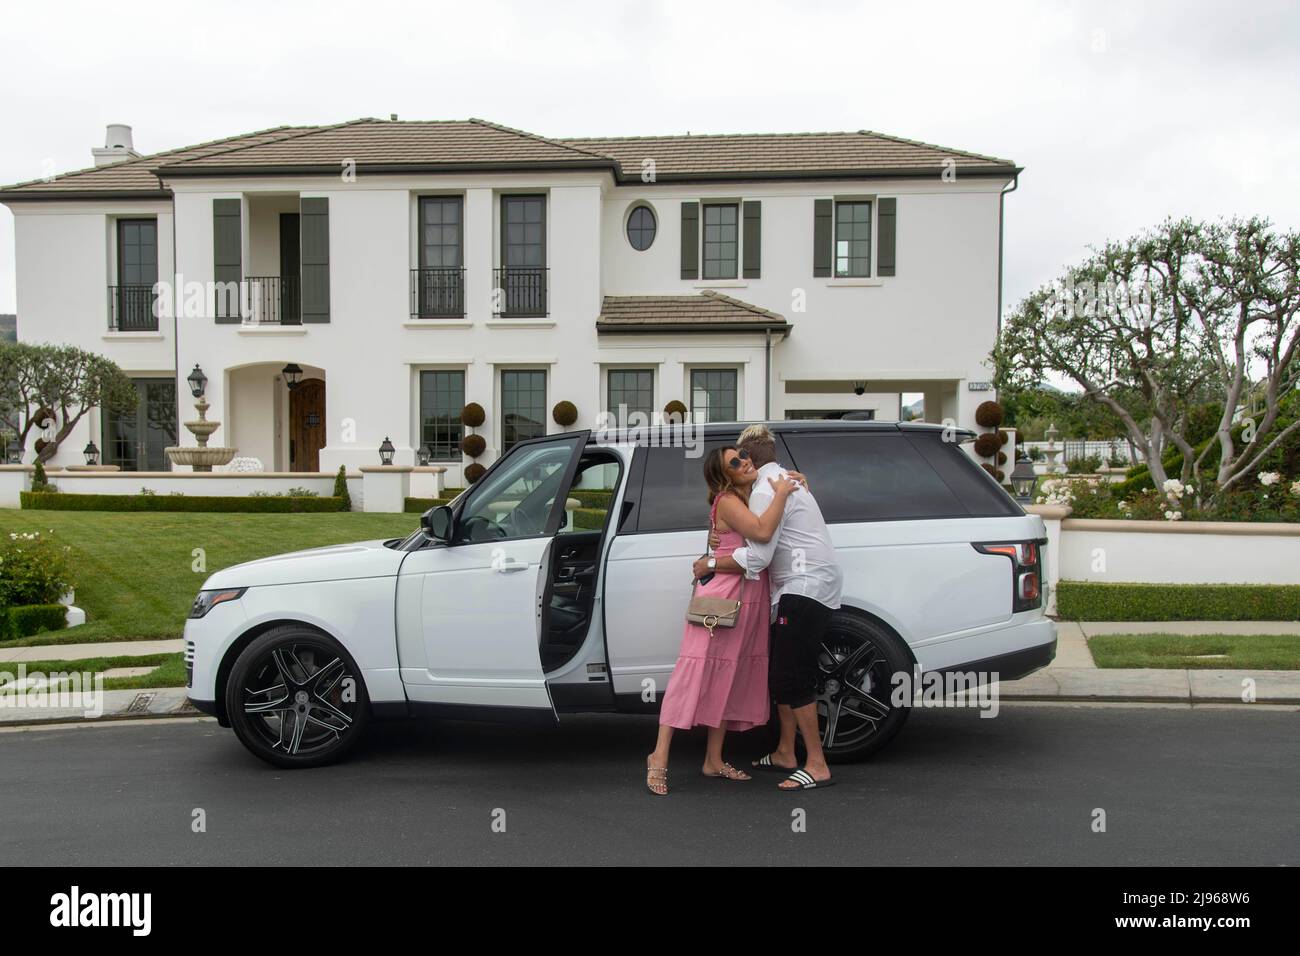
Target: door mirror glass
{"points": [[437, 523]]}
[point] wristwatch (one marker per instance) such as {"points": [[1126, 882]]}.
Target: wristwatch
{"points": [[713, 564]]}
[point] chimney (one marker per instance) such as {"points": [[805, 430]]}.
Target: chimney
{"points": [[117, 146]]}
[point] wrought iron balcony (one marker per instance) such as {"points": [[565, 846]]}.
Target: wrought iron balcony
{"points": [[272, 300], [132, 308], [520, 291], [437, 293]]}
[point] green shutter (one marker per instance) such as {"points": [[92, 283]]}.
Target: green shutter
{"points": [[690, 240], [823, 236], [753, 239], [886, 224], [227, 259], [314, 222]]}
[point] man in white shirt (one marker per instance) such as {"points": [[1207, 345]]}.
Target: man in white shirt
{"points": [[806, 583]]}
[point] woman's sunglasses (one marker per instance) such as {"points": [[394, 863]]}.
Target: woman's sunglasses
{"points": [[735, 462]]}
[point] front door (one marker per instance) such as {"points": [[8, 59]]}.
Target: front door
{"points": [[135, 440], [469, 611], [306, 425]]}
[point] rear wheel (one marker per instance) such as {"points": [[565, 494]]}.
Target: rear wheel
{"points": [[855, 710], [296, 699]]}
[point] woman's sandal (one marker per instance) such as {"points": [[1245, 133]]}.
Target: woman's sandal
{"points": [[656, 779], [728, 772]]}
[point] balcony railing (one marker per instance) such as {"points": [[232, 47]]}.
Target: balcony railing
{"points": [[520, 291], [272, 300], [132, 308], [437, 293]]}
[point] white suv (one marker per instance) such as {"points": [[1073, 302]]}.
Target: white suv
{"points": [[501, 607]]}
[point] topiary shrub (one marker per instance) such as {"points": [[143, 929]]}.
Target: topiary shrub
{"points": [[1002, 458], [1004, 437], [473, 445], [986, 445], [473, 415], [474, 472], [40, 482], [341, 490], [564, 413], [988, 415], [675, 412]]}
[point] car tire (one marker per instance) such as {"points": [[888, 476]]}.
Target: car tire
{"points": [[847, 632], [296, 698]]}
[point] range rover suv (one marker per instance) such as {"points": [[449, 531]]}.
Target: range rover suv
{"points": [[510, 604]]}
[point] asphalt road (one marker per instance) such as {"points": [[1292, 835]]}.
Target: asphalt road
{"points": [[1178, 786]]}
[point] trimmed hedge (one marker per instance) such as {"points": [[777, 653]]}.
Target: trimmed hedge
{"points": [[254, 504], [28, 619], [1096, 601], [593, 497], [589, 519]]}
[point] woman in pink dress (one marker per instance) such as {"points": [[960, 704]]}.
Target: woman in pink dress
{"points": [[720, 680]]}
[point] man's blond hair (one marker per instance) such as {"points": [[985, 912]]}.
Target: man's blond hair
{"points": [[760, 443]]}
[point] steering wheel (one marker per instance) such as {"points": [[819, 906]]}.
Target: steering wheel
{"points": [[482, 528], [520, 522]]}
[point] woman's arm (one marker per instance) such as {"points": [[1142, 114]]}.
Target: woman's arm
{"points": [[760, 528]]}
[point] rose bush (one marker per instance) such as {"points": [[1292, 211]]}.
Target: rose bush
{"points": [[34, 569]]}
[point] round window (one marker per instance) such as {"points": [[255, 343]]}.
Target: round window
{"points": [[641, 228]]}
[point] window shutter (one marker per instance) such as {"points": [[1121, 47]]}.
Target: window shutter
{"points": [[227, 259], [886, 224], [690, 240], [823, 236], [314, 217], [753, 239]]}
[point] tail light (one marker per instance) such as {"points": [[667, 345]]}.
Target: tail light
{"points": [[1026, 570]]}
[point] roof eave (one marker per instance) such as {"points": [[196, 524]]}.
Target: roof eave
{"points": [[317, 169], [936, 172], [651, 328], [82, 195]]}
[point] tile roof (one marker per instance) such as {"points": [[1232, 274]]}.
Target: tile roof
{"points": [[706, 311], [392, 145], [455, 143], [863, 151], [137, 175]]}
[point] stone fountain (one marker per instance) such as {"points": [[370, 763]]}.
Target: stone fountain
{"points": [[1054, 467], [202, 458]]}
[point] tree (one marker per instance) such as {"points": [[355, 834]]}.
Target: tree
{"points": [[1160, 326], [57, 384]]}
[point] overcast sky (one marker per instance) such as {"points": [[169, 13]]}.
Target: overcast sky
{"points": [[1121, 113]]}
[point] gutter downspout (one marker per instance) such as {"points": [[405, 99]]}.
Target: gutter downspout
{"points": [[1002, 196]]}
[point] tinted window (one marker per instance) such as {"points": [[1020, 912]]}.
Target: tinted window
{"points": [[976, 489], [674, 496], [871, 477]]}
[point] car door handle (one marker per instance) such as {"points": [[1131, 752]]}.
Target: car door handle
{"points": [[510, 567]]}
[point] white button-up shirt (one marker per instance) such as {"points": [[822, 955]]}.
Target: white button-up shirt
{"points": [[800, 558]]}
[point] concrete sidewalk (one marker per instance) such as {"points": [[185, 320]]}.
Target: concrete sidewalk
{"points": [[77, 652]]}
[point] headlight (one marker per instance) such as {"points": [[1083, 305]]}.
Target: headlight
{"points": [[207, 600]]}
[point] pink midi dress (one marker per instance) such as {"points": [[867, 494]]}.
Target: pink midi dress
{"points": [[721, 681]]}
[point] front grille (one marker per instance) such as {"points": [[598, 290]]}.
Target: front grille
{"points": [[189, 663]]}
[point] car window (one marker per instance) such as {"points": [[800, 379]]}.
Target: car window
{"points": [[974, 487], [516, 499], [674, 495], [871, 477]]}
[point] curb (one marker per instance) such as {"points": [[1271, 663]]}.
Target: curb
{"points": [[118, 705]]}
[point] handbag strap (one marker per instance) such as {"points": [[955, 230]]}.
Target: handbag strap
{"points": [[713, 527]]}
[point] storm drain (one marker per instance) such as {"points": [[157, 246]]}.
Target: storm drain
{"points": [[141, 704]]}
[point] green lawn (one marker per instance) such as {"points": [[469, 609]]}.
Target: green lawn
{"points": [[1274, 652], [133, 572], [170, 673]]}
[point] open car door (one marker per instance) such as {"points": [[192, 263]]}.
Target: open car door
{"points": [[469, 609]]}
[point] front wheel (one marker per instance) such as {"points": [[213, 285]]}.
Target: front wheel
{"points": [[296, 699], [855, 710]]}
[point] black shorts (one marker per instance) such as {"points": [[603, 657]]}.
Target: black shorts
{"points": [[797, 636]]}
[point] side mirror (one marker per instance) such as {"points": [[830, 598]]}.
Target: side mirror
{"points": [[438, 522]]}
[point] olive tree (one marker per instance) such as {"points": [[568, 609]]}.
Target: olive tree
{"points": [[1162, 324], [50, 388]]}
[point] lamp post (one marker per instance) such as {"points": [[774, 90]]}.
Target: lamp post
{"points": [[1023, 478], [386, 451], [198, 382], [91, 453], [292, 375]]}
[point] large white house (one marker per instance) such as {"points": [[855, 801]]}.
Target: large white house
{"points": [[408, 268]]}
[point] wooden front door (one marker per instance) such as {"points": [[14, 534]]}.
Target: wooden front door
{"points": [[306, 425]]}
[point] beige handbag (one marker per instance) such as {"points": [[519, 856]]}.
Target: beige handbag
{"points": [[713, 612]]}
